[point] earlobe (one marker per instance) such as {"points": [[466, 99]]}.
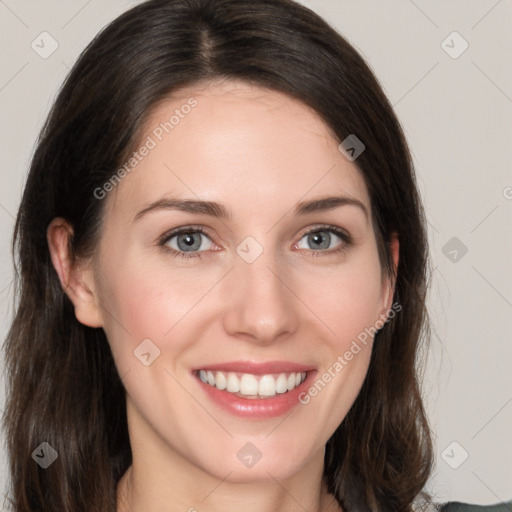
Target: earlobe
{"points": [[76, 281]]}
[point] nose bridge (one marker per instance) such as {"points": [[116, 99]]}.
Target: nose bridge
{"points": [[260, 304]]}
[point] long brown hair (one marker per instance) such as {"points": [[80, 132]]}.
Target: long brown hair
{"points": [[63, 385]]}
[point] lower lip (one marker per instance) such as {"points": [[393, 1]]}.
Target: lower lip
{"points": [[260, 408]]}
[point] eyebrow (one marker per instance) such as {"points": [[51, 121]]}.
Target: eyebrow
{"points": [[329, 203], [218, 210]]}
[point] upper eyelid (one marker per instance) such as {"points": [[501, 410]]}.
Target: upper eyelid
{"points": [[184, 229]]}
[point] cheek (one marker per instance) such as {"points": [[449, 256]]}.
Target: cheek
{"points": [[348, 299], [350, 307], [141, 301]]}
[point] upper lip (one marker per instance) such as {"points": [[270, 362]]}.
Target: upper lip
{"points": [[257, 368]]}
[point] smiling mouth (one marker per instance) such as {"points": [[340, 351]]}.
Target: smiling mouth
{"points": [[248, 385]]}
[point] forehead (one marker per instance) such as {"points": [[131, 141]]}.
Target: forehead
{"points": [[234, 142]]}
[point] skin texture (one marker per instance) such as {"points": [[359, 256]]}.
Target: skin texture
{"points": [[258, 153]]}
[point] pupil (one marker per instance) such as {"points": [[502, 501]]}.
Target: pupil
{"points": [[186, 241], [317, 239]]}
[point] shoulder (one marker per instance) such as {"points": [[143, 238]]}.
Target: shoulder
{"points": [[456, 506]]}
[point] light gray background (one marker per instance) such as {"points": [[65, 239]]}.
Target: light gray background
{"points": [[457, 115]]}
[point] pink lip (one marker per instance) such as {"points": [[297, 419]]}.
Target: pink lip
{"points": [[257, 408], [257, 368]]}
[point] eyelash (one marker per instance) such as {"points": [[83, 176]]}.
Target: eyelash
{"points": [[345, 237]]}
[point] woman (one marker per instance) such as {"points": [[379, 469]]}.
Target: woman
{"points": [[222, 275]]}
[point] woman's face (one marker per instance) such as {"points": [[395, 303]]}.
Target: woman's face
{"points": [[277, 286]]}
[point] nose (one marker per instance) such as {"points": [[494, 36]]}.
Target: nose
{"points": [[261, 306]]}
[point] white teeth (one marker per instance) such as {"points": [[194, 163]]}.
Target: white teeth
{"points": [[233, 383], [221, 381], [267, 386], [282, 384], [291, 382], [250, 385]]}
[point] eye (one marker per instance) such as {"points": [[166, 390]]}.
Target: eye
{"points": [[326, 240], [186, 240], [189, 242]]}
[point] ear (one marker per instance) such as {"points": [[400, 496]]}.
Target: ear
{"points": [[394, 247], [77, 281]]}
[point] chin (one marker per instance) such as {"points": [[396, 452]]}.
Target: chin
{"points": [[250, 465]]}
